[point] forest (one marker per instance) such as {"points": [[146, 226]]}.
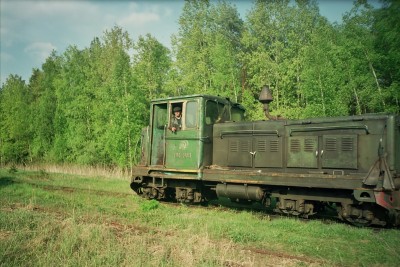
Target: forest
{"points": [[88, 106]]}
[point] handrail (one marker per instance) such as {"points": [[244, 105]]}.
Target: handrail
{"points": [[203, 139], [257, 132], [315, 129]]}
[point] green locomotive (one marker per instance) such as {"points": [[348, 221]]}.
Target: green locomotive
{"points": [[350, 163]]}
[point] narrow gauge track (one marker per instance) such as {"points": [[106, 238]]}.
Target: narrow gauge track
{"points": [[268, 214], [262, 213], [71, 189]]}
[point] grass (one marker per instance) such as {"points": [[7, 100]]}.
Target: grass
{"points": [[50, 219]]}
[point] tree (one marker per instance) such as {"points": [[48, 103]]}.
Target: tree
{"points": [[359, 59], [276, 36], [386, 30], [207, 49], [15, 132], [191, 47], [324, 91], [226, 29], [151, 65], [74, 116], [43, 106]]}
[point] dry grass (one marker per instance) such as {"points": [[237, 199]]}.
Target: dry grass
{"points": [[74, 240], [90, 171]]}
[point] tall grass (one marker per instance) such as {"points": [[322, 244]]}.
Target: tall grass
{"points": [[67, 220], [90, 171]]}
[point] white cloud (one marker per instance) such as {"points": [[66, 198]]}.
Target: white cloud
{"points": [[136, 19], [140, 16], [5, 40], [32, 9], [39, 50], [5, 57]]}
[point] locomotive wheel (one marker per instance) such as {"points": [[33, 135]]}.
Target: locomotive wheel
{"points": [[362, 215], [358, 222]]}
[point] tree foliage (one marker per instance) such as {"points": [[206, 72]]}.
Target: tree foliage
{"points": [[88, 106], [15, 133], [207, 48]]}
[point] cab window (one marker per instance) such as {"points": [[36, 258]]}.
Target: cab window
{"points": [[215, 112], [176, 116], [237, 114], [191, 114]]}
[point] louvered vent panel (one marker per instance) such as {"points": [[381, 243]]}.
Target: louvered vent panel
{"points": [[234, 146], [262, 146], [347, 144], [244, 146], [340, 152], [330, 144], [295, 145], [309, 145], [273, 146]]}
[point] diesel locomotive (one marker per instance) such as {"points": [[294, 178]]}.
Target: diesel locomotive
{"points": [[351, 164]]}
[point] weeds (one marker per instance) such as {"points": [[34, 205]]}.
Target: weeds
{"points": [[13, 169], [79, 221], [43, 173], [149, 205]]}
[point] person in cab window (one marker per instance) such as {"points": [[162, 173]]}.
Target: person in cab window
{"points": [[176, 122]]}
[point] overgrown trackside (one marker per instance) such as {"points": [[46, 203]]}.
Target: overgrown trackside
{"points": [[56, 219]]}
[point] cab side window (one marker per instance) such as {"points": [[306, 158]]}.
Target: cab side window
{"points": [[237, 114], [175, 123], [191, 114], [214, 112]]}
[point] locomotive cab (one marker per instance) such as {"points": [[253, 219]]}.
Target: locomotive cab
{"points": [[188, 148], [175, 158]]}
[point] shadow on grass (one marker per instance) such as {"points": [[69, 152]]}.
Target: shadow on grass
{"points": [[6, 181], [327, 215]]}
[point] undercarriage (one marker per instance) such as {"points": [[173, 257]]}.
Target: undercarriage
{"points": [[301, 202]]}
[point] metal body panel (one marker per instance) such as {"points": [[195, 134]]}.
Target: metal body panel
{"points": [[183, 149], [283, 179], [339, 151], [302, 152], [269, 152], [329, 145]]}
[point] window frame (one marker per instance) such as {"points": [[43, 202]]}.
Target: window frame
{"points": [[196, 113]]}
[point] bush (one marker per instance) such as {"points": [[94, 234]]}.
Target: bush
{"points": [[149, 205]]}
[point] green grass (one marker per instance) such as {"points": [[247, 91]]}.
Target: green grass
{"points": [[66, 220]]}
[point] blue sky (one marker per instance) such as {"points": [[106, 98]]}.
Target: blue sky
{"points": [[31, 29]]}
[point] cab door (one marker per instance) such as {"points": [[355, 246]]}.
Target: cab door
{"points": [[158, 130], [183, 147]]}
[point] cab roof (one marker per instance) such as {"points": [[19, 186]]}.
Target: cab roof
{"points": [[211, 97]]}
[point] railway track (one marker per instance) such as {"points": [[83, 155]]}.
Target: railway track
{"points": [[224, 205], [269, 214]]}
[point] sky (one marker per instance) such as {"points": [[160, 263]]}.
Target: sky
{"points": [[31, 29]]}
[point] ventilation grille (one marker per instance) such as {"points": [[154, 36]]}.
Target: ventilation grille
{"points": [[234, 146], [330, 144], [245, 146], [295, 145], [262, 145], [347, 144], [274, 146], [309, 145]]}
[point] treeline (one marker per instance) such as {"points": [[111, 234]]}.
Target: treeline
{"points": [[87, 106]]}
